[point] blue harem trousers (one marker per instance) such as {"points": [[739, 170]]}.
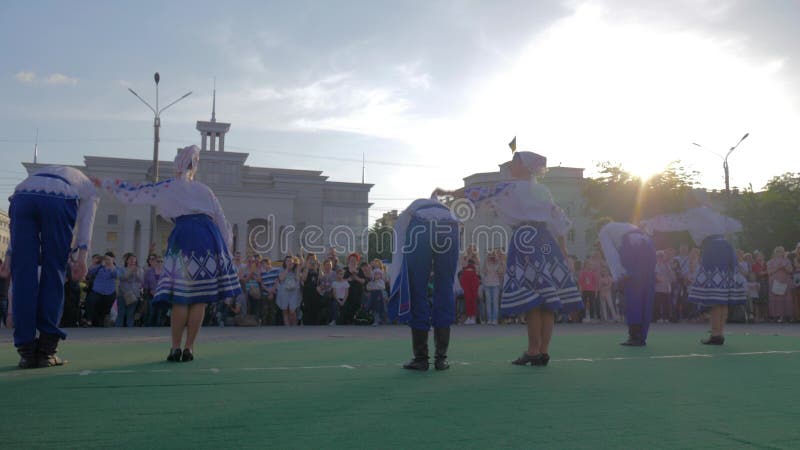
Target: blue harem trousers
{"points": [[432, 245], [638, 257], [41, 234]]}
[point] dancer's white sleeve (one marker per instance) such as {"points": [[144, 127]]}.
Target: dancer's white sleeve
{"points": [[146, 193], [222, 223], [84, 225], [611, 254]]}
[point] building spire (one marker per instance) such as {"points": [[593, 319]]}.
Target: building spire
{"points": [[36, 148], [214, 103]]}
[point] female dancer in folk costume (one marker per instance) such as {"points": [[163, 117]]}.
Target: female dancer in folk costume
{"points": [[198, 267], [426, 243], [717, 281], [631, 258], [538, 281], [47, 210]]}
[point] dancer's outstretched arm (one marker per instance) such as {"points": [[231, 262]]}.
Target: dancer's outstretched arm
{"points": [[438, 192]]}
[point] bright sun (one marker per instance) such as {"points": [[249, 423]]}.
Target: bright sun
{"points": [[644, 168]]}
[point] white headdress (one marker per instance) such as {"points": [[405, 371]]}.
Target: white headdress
{"points": [[186, 161], [534, 162]]}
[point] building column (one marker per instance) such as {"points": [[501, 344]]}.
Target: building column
{"points": [[242, 244], [213, 141], [204, 141], [222, 142], [125, 236]]}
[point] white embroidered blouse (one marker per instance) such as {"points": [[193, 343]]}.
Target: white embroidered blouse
{"points": [[68, 183], [700, 222], [519, 202], [610, 237], [173, 198]]}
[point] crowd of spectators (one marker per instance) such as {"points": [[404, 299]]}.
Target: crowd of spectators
{"points": [[299, 290], [327, 289], [773, 284]]}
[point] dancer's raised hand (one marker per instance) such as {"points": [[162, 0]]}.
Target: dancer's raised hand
{"points": [[5, 269], [79, 269]]}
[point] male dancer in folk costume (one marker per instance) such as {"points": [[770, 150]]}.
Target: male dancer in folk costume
{"points": [[426, 236], [717, 282], [48, 210], [631, 258], [198, 267], [538, 281]]}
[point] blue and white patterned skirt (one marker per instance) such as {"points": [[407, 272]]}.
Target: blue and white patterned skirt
{"points": [[197, 267], [718, 281], [537, 274]]}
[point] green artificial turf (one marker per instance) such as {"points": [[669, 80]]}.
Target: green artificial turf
{"points": [[351, 393]]}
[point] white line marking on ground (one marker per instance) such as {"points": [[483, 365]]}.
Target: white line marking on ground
{"points": [[214, 370], [690, 355], [770, 352], [340, 366], [83, 373]]}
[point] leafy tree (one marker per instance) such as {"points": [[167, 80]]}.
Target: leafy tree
{"points": [[380, 242], [622, 197], [618, 195], [770, 217]]}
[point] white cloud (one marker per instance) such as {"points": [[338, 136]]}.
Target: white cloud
{"points": [[25, 77], [413, 76], [55, 79], [60, 79]]}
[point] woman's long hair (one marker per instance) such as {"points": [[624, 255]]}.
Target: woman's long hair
{"points": [[127, 257]]}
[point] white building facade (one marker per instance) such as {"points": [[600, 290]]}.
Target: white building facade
{"points": [[565, 183], [5, 233], [272, 211]]}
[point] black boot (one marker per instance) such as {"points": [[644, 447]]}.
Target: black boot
{"points": [[46, 351], [634, 336], [419, 343], [441, 339], [27, 355], [713, 340]]}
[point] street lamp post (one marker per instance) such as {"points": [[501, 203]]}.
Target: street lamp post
{"points": [[725, 162], [156, 129]]}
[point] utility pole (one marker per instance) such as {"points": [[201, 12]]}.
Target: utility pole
{"points": [[156, 129]]}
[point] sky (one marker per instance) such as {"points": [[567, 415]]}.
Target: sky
{"points": [[428, 91]]}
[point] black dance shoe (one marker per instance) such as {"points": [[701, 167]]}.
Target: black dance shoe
{"points": [[525, 359], [544, 358], [631, 342], [187, 355], [713, 340], [174, 355]]}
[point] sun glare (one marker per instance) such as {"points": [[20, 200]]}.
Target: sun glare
{"points": [[644, 167], [589, 89]]}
